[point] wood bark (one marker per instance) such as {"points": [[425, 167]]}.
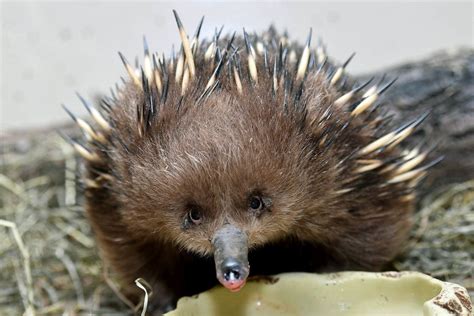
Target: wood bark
{"points": [[442, 84]]}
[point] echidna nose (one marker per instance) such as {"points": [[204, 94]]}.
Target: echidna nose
{"points": [[231, 257], [231, 270]]}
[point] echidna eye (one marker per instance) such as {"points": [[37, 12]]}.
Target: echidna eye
{"points": [[195, 216], [256, 203]]}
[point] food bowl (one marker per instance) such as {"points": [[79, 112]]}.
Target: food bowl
{"points": [[345, 293]]}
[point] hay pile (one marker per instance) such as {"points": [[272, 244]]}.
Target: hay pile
{"points": [[442, 241], [49, 264], [59, 270]]}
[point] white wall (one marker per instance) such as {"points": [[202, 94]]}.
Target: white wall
{"points": [[51, 49]]}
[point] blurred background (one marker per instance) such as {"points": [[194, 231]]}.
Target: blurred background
{"points": [[52, 49]]}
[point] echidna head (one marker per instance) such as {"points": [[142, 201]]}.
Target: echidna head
{"points": [[217, 182]]}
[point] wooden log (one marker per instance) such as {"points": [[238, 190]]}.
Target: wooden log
{"points": [[442, 84]]}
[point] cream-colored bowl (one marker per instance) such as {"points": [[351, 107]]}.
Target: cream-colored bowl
{"points": [[346, 293]]}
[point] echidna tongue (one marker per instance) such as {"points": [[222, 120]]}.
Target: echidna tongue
{"points": [[230, 257]]}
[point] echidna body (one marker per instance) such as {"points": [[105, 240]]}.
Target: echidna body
{"points": [[244, 156]]}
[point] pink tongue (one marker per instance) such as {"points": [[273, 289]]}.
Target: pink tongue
{"points": [[234, 286]]}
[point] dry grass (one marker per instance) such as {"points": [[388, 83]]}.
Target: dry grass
{"points": [[49, 264], [442, 242]]}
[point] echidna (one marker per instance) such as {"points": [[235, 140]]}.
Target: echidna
{"points": [[244, 155]]}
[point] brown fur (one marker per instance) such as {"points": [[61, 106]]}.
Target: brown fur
{"points": [[218, 153]]}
